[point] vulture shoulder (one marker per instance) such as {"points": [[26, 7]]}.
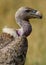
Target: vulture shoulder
{"points": [[12, 51]]}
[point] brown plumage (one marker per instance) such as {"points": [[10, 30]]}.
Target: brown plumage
{"points": [[5, 39], [12, 51]]}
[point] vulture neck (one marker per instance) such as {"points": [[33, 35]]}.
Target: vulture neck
{"points": [[25, 27]]}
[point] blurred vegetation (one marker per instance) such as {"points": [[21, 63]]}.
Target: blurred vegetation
{"points": [[36, 54]]}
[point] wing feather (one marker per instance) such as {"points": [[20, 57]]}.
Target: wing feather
{"points": [[5, 39], [12, 51]]}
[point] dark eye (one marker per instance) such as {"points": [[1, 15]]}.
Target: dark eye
{"points": [[34, 11], [27, 10]]}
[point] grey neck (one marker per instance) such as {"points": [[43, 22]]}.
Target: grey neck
{"points": [[25, 25]]}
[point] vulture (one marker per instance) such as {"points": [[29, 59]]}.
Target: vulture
{"points": [[13, 43]]}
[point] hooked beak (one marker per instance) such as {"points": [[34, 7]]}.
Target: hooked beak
{"points": [[38, 14]]}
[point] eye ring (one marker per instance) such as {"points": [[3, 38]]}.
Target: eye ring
{"points": [[34, 11]]}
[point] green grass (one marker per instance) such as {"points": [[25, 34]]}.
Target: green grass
{"points": [[36, 54]]}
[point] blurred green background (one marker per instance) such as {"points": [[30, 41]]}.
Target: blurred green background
{"points": [[36, 54]]}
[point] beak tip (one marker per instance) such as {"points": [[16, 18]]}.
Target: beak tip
{"points": [[41, 17], [39, 14]]}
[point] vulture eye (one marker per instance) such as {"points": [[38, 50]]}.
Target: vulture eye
{"points": [[34, 11]]}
